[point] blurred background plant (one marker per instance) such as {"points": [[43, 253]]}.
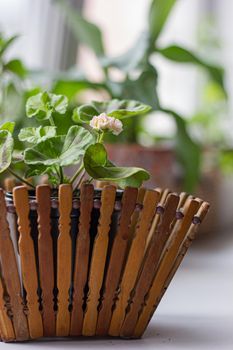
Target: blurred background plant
{"points": [[66, 52], [139, 78]]}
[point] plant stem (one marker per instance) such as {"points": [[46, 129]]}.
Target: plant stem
{"points": [[51, 121], [61, 175], [77, 174], [20, 178], [80, 179]]}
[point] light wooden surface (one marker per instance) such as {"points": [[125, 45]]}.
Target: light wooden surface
{"points": [[116, 261], [45, 252], [98, 260], [64, 260], [28, 261], [134, 259], [81, 258]]}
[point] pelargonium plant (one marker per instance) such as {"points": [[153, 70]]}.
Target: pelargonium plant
{"points": [[46, 152]]}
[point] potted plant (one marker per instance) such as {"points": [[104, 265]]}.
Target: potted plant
{"points": [[92, 262]]}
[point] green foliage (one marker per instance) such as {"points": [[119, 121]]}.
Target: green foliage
{"points": [[36, 135], [182, 55], [119, 109], [86, 32], [141, 78], [158, 15], [98, 166], [50, 151], [44, 104], [6, 149]]}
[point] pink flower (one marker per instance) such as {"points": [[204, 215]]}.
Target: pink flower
{"points": [[105, 123]]}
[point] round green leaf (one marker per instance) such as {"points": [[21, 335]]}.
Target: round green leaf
{"points": [[119, 109], [36, 135], [9, 126], [60, 150], [98, 167], [6, 149], [44, 104]]}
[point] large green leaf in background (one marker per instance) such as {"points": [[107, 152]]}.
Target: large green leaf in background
{"points": [[86, 32], [16, 67], [6, 149], [72, 87], [182, 55], [132, 59], [6, 43], [60, 150], [97, 165], [119, 109], [144, 88], [158, 14], [188, 152]]}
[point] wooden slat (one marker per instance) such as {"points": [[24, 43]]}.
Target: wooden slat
{"points": [[45, 252], [7, 330], [81, 258], [152, 258], [64, 248], [11, 275], [164, 195], [173, 256], [9, 184], [134, 259], [98, 260], [28, 261], [116, 261]]}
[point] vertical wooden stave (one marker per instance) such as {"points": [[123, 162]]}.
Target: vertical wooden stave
{"points": [[11, 274], [153, 255], [6, 326], [161, 281], [81, 258], [116, 262], [46, 264], [134, 259], [64, 248], [98, 260], [28, 261]]}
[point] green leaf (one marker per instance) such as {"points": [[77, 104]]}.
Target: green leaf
{"points": [[188, 152], [132, 58], [119, 109], [5, 43], [36, 135], [9, 126], [158, 14], [86, 32], [97, 165], [60, 150], [182, 55], [144, 88], [44, 104], [17, 67], [6, 149], [72, 87]]}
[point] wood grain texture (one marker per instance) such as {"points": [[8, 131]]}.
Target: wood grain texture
{"points": [[134, 259], [98, 260], [6, 327], [64, 248], [28, 261], [11, 275], [45, 252], [81, 258], [172, 259], [116, 262], [152, 258]]}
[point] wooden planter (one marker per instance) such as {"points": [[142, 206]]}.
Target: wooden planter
{"points": [[95, 263]]}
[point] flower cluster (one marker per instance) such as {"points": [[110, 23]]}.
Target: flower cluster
{"points": [[104, 122]]}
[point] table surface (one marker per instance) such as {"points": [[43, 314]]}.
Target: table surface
{"points": [[195, 313]]}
